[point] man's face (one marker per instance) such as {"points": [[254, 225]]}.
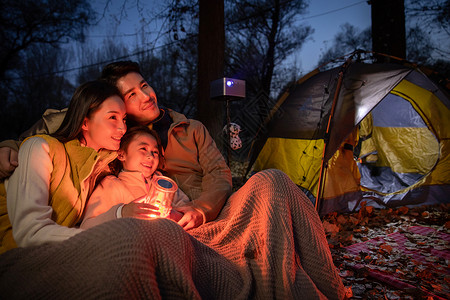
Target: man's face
{"points": [[140, 98]]}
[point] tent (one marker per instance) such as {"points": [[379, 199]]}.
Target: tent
{"points": [[375, 132]]}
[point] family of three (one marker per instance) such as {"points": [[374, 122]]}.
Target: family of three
{"points": [[263, 241]]}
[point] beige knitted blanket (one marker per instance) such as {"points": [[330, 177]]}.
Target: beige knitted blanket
{"points": [[267, 243]]}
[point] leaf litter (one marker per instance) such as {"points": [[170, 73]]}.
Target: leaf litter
{"points": [[396, 262]]}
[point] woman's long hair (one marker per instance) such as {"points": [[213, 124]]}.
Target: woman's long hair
{"points": [[116, 166], [85, 101]]}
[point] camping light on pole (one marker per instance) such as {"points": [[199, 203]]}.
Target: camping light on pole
{"points": [[228, 89]]}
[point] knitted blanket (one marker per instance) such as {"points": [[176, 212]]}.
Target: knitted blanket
{"points": [[267, 243]]}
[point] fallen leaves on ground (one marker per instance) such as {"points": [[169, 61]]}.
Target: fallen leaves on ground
{"points": [[419, 279]]}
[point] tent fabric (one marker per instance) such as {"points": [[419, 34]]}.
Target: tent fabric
{"points": [[364, 87], [342, 175], [404, 156], [306, 105], [405, 115], [299, 159], [403, 120]]}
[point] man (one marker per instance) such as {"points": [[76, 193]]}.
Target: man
{"points": [[192, 158]]}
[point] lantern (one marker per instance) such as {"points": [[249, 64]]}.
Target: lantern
{"points": [[161, 194]]}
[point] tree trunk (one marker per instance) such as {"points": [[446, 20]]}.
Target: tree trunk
{"points": [[211, 53], [269, 62], [388, 28]]}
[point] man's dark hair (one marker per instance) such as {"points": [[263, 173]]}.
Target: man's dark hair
{"points": [[113, 71]]}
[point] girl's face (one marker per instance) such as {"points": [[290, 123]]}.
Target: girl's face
{"points": [[106, 126], [141, 155]]}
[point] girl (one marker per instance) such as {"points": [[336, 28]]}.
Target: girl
{"points": [[46, 195], [139, 157]]}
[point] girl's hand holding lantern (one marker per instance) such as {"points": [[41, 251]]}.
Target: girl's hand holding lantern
{"points": [[158, 204], [140, 209]]}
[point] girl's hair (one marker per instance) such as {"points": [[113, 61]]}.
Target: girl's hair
{"points": [[84, 103], [128, 137]]}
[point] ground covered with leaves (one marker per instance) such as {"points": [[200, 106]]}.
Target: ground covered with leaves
{"points": [[400, 253]]}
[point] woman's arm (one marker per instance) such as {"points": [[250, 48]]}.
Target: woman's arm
{"points": [[27, 198]]}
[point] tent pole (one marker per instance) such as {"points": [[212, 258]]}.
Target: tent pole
{"points": [[324, 164]]}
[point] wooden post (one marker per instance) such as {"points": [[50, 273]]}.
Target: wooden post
{"points": [[211, 53]]}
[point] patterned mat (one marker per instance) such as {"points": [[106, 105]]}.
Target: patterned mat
{"points": [[415, 259]]}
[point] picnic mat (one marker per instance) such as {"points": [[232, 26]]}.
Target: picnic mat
{"points": [[419, 250]]}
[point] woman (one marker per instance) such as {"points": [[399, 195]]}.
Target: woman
{"points": [[47, 193]]}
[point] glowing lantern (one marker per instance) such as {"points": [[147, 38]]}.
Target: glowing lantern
{"points": [[161, 194]]}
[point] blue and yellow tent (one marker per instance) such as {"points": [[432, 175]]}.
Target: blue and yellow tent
{"points": [[387, 140]]}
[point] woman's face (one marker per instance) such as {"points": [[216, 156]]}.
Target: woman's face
{"points": [[106, 126], [141, 155]]}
